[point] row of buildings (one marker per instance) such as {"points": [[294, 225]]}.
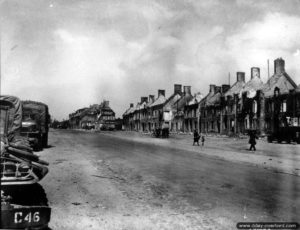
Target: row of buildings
{"points": [[226, 109], [97, 116]]}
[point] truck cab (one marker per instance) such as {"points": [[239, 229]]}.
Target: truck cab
{"points": [[30, 129]]}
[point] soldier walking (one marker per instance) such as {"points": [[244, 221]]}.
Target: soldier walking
{"points": [[196, 137], [252, 141]]}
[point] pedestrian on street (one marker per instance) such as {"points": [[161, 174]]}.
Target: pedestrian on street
{"points": [[196, 137], [252, 141], [202, 140]]}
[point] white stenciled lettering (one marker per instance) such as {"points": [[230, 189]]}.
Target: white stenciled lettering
{"points": [[18, 217], [36, 217], [28, 217]]}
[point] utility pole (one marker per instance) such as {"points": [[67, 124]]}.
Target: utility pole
{"points": [[268, 70]]}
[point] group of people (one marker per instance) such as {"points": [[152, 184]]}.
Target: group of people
{"points": [[197, 137], [252, 139]]}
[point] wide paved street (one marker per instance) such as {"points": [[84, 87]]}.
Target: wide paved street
{"points": [[133, 181]]}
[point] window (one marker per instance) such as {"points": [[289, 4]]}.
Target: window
{"points": [[254, 108], [276, 91], [283, 106]]}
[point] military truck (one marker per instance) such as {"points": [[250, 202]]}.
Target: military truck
{"points": [[24, 204], [283, 117], [285, 133], [35, 123]]}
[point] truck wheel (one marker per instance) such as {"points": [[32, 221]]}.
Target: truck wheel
{"points": [[45, 140], [39, 145], [270, 139]]}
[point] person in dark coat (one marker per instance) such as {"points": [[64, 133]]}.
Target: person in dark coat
{"points": [[196, 137], [252, 140]]}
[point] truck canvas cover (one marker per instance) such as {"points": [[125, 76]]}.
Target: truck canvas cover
{"points": [[15, 113]]}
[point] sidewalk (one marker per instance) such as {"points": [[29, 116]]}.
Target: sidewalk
{"points": [[280, 158]]}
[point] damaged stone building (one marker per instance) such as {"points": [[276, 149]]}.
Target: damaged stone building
{"points": [[210, 109], [151, 113], [191, 113], [281, 100], [230, 110], [94, 117]]}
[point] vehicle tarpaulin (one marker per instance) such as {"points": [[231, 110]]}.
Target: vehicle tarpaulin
{"points": [[15, 111], [14, 122]]}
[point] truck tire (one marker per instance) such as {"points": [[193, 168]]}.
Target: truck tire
{"points": [[45, 140], [39, 145], [270, 139], [279, 140]]}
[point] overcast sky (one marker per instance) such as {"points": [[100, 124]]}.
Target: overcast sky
{"points": [[74, 53]]}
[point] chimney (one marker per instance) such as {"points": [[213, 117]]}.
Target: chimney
{"points": [[255, 72], [177, 89], [151, 98], [240, 76], [131, 105], [187, 90], [161, 92], [106, 103], [144, 99], [279, 66], [212, 88], [218, 89], [225, 88]]}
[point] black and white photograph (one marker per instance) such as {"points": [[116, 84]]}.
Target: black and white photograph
{"points": [[150, 114]]}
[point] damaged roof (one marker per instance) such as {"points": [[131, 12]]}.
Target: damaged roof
{"points": [[183, 101], [169, 103], [214, 99], [254, 84], [205, 99], [235, 88], [282, 81], [196, 99], [160, 100]]}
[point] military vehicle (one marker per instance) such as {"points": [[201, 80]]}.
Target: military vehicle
{"points": [[286, 134], [24, 204], [35, 123], [284, 117]]}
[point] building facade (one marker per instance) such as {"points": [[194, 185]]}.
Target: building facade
{"points": [[230, 110], [93, 117]]}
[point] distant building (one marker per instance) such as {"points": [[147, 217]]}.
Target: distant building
{"points": [[156, 110], [93, 117], [106, 117], [191, 113], [232, 105], [75, 118], [178, 107], [251, 104], [211, 109], [169, 107]]}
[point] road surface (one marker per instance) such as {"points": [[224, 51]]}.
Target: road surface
{"points": [[105, 181]]}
